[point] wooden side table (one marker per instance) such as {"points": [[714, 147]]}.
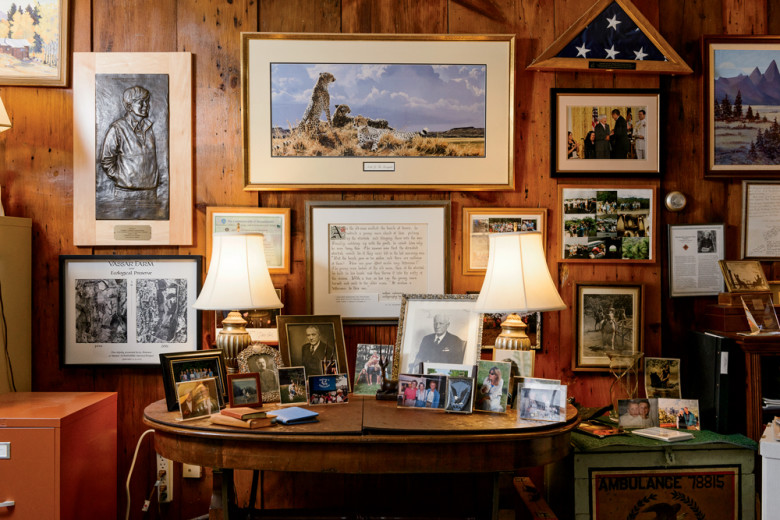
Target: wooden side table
{"points": [[755, 347]]}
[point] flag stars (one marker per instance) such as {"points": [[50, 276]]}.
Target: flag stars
{"points": [[640, 54], [582, 51], [611, 52], [613, 22]]}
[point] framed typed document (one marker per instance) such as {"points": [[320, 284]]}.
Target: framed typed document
{"points": [[694, 252], [362, 256]]}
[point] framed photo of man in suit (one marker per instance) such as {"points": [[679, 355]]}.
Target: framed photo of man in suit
{"points": [[437, 329], [308, 341]]}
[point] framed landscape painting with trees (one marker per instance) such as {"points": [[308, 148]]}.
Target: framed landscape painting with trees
{"points": [[742, 100]]}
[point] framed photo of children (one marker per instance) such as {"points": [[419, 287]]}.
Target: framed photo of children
{"points": [[127, 309], [479, 223], [609, 318], [740, 106], [608, 223], [606, 132]]}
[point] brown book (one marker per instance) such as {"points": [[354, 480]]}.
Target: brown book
{"points": [[243, 412], [250, 424]]}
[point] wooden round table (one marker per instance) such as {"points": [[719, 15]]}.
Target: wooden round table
{"points": [[362, 436]]}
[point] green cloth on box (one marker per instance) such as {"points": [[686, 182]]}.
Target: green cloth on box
{"points": [[585, 442]]}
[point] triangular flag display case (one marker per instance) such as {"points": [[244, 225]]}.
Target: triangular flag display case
{"points": [[612, 36]]}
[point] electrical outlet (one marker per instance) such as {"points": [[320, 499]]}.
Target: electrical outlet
{"points": [[190, 471], [165, 476]]}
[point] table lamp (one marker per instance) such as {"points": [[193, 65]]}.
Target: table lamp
{"points": [[517, 279], [237, 279]]}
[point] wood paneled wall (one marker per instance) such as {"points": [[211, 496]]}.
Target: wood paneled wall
{"points": [[36, 173]]}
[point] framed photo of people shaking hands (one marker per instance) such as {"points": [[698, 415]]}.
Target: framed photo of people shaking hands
{"points": [[606, 132]]}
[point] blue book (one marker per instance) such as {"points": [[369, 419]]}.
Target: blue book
{"points": [[294, 415]]}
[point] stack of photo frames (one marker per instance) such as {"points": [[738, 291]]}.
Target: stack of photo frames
{"points": [[540, 400], [457, 388]]}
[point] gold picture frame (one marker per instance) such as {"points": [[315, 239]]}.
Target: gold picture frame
{"points": [[744, 276], [170, 115], [479, 223], [44, 64], [386, 143], [272, 223]]}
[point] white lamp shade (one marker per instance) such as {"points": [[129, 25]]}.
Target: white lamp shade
{"points": [[517, 277], [238, 275]]}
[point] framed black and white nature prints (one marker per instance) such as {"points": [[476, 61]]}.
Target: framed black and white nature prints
{"points": [[127, 310]]}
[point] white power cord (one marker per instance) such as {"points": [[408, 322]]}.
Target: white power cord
{"points": [[130, 473]]}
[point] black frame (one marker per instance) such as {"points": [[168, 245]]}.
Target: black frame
{"points": [[63, 261], [554, 172], [167, 359]]}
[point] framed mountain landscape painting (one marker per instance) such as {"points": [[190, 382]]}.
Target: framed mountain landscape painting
{"points": [[33, 42], [360, 111], [742, 106]]}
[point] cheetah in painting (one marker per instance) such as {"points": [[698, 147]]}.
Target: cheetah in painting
{"points": [[320, 101]]}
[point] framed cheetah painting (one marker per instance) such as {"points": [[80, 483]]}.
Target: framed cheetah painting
{"points": [[342, 111]]}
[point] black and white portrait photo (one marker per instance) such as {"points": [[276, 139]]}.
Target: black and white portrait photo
{"points": [[101, 311], [161, 310], [438, 329], [310, 344], [132, 147], [265, 366], [706, 241]]}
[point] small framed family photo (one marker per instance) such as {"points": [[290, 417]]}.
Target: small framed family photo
{"points": [[264, 361], [437, 328], [328, 389], [189, 366], [603, 132], [460, 394], [244, 390], [682, 414], [638, 413], [492, 386], [199, 398], [370, 362], [662, 377], [422, 391], [541, 402], [292, 386], [307, 341]]}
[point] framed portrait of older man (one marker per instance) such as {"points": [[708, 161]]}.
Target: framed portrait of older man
{"points": [[132, 149], [435, 328], [312, 342]]}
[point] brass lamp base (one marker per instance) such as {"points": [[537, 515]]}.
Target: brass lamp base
{"points": [[513, 336], [233, 339]]}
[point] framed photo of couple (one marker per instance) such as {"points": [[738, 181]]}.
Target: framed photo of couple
{"points": [[606, 132]]}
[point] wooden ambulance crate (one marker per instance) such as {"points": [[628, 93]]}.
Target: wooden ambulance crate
{"points": [[713, 481]]}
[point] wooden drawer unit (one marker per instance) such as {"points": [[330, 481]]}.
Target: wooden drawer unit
{"points": [[58, 455], [704, 476]]}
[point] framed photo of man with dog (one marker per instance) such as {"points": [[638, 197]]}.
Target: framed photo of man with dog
{"points": [[362, 111]]}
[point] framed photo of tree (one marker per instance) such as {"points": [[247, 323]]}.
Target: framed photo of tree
{"points": [[741, 80]]}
